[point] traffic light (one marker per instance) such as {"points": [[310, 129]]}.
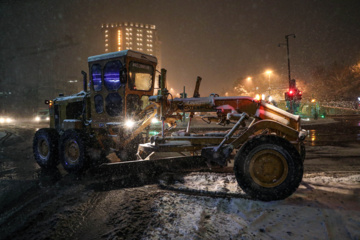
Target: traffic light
{"points": [[289, 95], [293, 94]]}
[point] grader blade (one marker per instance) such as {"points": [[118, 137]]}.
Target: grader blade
{"points": [[140, 172]]}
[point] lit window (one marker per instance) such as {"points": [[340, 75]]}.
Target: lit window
{"points": [[106, 40], [106, 50], [119, 48], [112, 75], [106, 45], [140, 49], [106, 31], [131, 24], [106, 35], [96, 77]]}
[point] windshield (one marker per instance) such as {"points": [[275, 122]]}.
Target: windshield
{"points": [[141, 76]]}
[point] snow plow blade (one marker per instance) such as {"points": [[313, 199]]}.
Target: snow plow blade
{"points": [[141, 172]]}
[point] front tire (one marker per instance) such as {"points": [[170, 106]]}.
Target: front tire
{"points": [[268, 168], [45, 147], [72, 148]]}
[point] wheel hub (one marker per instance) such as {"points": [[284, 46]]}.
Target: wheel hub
{"points": [[268, 168], [43, 148], [72, 152]]}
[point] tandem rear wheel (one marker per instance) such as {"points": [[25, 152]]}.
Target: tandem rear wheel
{"points": [[73, 155], [45, 148]]}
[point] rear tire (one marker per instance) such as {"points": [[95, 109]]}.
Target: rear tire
{"points": [[268, 168], [72, 148], [45, 147]]}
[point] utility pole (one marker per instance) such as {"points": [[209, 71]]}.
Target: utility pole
{"points": [[288, 53], [293, 94]]}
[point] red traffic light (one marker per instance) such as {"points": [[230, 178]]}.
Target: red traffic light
{"points": [[291, 92]]}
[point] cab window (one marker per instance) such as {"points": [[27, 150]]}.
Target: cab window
{"points": [[96, 77], [112, 75], [141, 76]]}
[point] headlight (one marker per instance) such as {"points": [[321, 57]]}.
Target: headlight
{"points": [[154, 120], [37, 118], [8, 120], [47, 118], [2, 120], [129, 123]]}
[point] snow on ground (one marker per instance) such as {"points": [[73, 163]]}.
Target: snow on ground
{"points": [[323, 207]]}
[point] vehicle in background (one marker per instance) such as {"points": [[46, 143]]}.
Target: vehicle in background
{"points": [[6, 119], [42, 116]]}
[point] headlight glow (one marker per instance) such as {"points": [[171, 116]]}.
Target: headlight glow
{"points": [[129, 123], [37, 118], [8, 120], [47, 118], [2, 120], [154, 120]]}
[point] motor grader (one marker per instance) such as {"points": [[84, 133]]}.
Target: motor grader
{"points": [[116, 113]]}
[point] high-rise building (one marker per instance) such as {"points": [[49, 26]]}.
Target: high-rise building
{"points": [[136, 36]]}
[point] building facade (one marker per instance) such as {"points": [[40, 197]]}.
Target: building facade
{"points": [[136, 36]]}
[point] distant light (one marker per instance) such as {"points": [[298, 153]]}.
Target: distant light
{"points": [[359, 98], [249, 79], [313, 100], [270, 99], [37, 118], [262, 96], [268, 72], [257, 97]]}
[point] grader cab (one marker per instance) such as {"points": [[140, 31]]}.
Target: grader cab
{"points": [[115, 115]]}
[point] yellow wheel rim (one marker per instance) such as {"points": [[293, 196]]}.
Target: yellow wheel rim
{"points": [[43, 147], [268, 168], [72, 152]]}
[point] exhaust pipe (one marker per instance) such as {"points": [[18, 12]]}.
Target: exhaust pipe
{"points": [[84, 80]]}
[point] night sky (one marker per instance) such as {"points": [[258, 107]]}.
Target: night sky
{"points": [[221, 41]]}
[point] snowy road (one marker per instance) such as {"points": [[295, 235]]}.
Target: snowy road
{"points": [[38, 205]]}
